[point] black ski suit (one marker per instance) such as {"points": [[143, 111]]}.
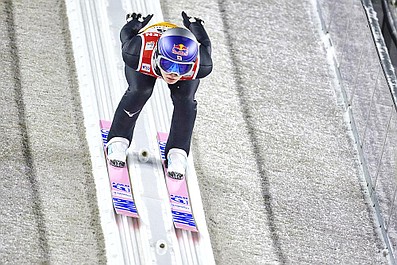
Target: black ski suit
{"points": [[141, 87]]}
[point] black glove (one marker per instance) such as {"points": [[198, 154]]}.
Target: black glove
{"points": [[195, 25], [137, 22], [187, 21]]}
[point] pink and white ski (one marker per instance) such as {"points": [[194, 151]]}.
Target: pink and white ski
{"points": [[121, 189], [182, 214]]}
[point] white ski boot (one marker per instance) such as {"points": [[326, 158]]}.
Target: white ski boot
{"points": [[177, 163], [117, 151]]}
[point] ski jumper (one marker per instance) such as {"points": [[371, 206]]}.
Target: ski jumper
{"points": [[141, 73]]}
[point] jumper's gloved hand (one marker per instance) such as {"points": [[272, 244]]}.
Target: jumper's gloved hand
{"points": [[187, 21], [137, 22], [195, 25]]}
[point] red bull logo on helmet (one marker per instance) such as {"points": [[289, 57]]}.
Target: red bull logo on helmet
{"points": [[180, 49]]}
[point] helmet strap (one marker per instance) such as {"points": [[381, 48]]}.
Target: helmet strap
{"points": [[155, 55]]}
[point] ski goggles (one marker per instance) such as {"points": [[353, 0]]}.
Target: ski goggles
{"points": [[171, 67]]}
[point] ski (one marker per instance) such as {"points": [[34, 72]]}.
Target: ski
{"points": [[121, 189], [182, 214]]}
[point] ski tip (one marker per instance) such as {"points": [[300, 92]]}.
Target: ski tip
{"points": [[186, 227], [184, 220], [127, 213], [125, 207]]}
